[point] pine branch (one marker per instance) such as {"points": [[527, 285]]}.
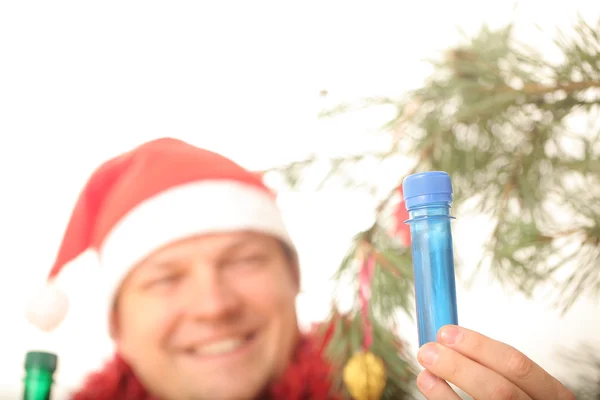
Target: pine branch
{"points": [[495, 116], [299, 164], [499, 119], [567, 87], [586, 362]]}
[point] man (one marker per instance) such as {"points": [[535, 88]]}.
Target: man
{"points": [[200, 279]]}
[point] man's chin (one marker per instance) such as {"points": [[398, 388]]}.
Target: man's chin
{"points": [[228, 390], [236, 382]]}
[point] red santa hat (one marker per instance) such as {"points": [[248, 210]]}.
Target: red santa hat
{"points": [[136, 203]]}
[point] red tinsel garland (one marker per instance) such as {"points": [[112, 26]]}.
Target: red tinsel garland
{"points": [[307, 377], [364, 295], [401, 230]]}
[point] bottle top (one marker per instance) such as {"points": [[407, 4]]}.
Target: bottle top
{"points": [[427, 188], [40, 359]]}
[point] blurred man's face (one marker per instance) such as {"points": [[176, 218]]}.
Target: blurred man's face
{"points": [[211, 317]]}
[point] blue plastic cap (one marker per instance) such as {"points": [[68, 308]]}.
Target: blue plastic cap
{"points": [[427, 188]]}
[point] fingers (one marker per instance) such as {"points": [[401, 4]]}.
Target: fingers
{"points": [[506, 361], [433, 388], [475, 379]]}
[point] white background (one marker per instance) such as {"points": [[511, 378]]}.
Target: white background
{"points": [[82, 81]]}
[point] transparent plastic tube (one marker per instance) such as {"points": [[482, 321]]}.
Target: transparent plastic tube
{"points": [[428, 197]]}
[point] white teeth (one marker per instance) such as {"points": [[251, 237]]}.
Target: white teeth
{"points": [[220, 347]]}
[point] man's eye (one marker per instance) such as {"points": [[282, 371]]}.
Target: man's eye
{"points": [[164, 280], [254, 259]]}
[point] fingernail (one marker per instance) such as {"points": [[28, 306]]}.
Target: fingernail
{"points": [[428, 355], [425, 381], [450, 335]]}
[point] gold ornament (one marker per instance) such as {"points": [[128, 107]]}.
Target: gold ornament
{"points": [[364, 376]]}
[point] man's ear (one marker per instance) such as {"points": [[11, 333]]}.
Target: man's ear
{"points": [[293, 263], [113, 324]]}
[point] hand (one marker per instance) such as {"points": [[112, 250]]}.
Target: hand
{"points": [[483, 368]]}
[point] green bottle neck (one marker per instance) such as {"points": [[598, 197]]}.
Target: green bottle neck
{"points": [[38, 384]]}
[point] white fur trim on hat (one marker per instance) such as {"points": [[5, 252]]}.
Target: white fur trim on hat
{"points": [[49, 305], [183, 211]]}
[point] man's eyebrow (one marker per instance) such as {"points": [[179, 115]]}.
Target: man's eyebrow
{"points": [[158, 266], [169, 262], [238, 244], [241, 244]]}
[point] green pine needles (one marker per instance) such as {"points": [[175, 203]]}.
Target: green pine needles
{"points": [[520, 138]]}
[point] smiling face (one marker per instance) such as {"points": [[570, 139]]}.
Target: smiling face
{"points": [[211, 317]]}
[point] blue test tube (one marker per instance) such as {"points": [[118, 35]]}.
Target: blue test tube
{"points": [[428, 197]]}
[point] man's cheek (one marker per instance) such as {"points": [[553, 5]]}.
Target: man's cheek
{"points": [[143, 324]]}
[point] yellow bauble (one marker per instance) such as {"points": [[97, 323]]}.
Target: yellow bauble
{"points": [[364, 376]]}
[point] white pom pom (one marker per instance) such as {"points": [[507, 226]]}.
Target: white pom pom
{"points": [[47, 308]]}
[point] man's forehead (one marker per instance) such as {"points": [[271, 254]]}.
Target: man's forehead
{"points": [[213, 244]]}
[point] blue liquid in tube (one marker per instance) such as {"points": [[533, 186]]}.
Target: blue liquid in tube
{"points": [[428, 198]]}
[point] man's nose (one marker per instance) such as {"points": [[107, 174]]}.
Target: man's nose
{"points": [[210, 296]]}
